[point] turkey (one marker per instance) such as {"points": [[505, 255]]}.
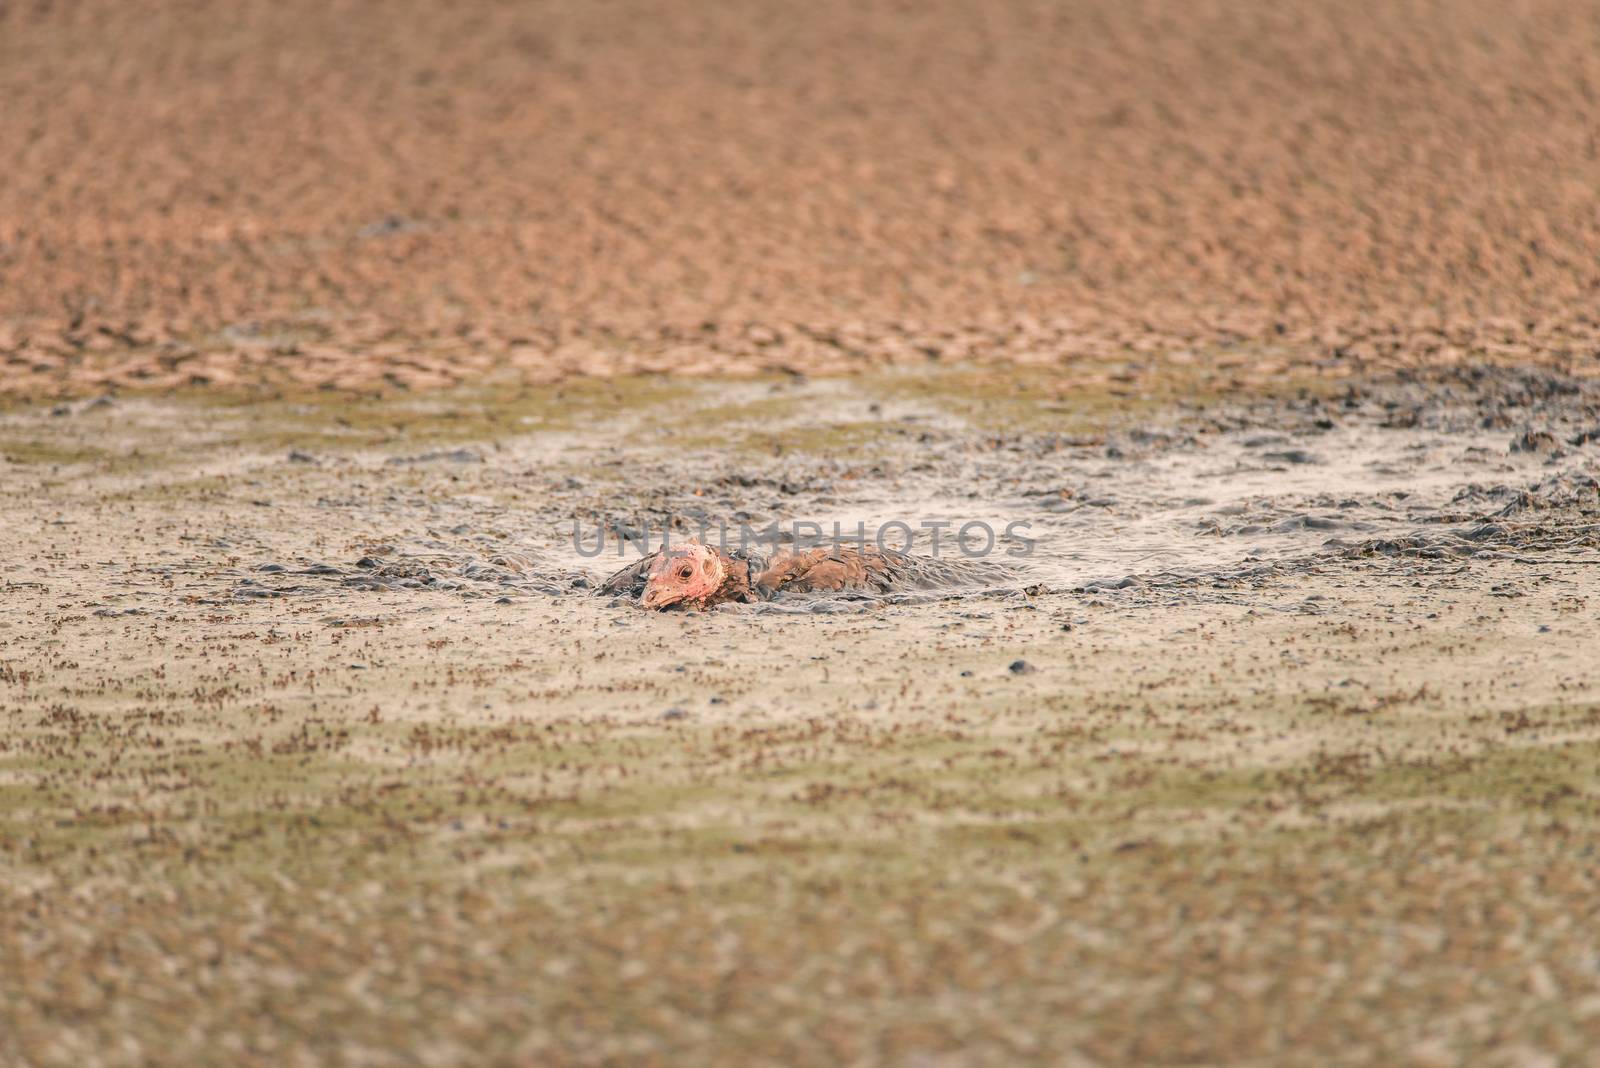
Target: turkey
{"points": [[695, 576]]}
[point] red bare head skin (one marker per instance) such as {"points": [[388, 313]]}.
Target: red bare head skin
{"points": [[687, 574]]}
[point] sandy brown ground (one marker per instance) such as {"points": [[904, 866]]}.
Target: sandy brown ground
{"points": [[1211, 835], [1343, 815], [411, 193], [1343, 812]]}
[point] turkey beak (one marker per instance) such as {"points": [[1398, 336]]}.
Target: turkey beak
{"points": [[655, 597]]}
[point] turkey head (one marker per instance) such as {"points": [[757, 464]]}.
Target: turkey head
{"points": [[690, 575]]}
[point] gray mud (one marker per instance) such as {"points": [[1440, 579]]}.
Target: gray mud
{"points": [[1496, 465], [1192, 503]]}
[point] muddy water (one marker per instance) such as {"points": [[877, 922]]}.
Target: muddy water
{"points": [[1281, 499], [1501, 464], [1410, 471]]}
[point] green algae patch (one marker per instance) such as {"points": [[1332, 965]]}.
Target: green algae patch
{"points": [[475, 413], [37, 451], [1558, 777], [866, 415], [1085, 397]]}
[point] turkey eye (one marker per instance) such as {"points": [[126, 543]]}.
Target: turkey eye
{"points": [[686, 572]]}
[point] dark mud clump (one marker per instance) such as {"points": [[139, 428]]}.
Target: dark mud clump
{"points": [[390, 569]]}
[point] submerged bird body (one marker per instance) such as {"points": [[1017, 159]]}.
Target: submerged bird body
{"points": [[699, 576]]}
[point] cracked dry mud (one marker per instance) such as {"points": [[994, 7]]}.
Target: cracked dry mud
{"points": [[411, 194], [319, 747]]}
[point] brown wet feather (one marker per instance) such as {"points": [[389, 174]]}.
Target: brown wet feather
{"points": [[828, 570]]}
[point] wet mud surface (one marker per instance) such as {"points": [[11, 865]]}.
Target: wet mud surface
{"points": [[412, 195], [1418, 474], [318, 742]]}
